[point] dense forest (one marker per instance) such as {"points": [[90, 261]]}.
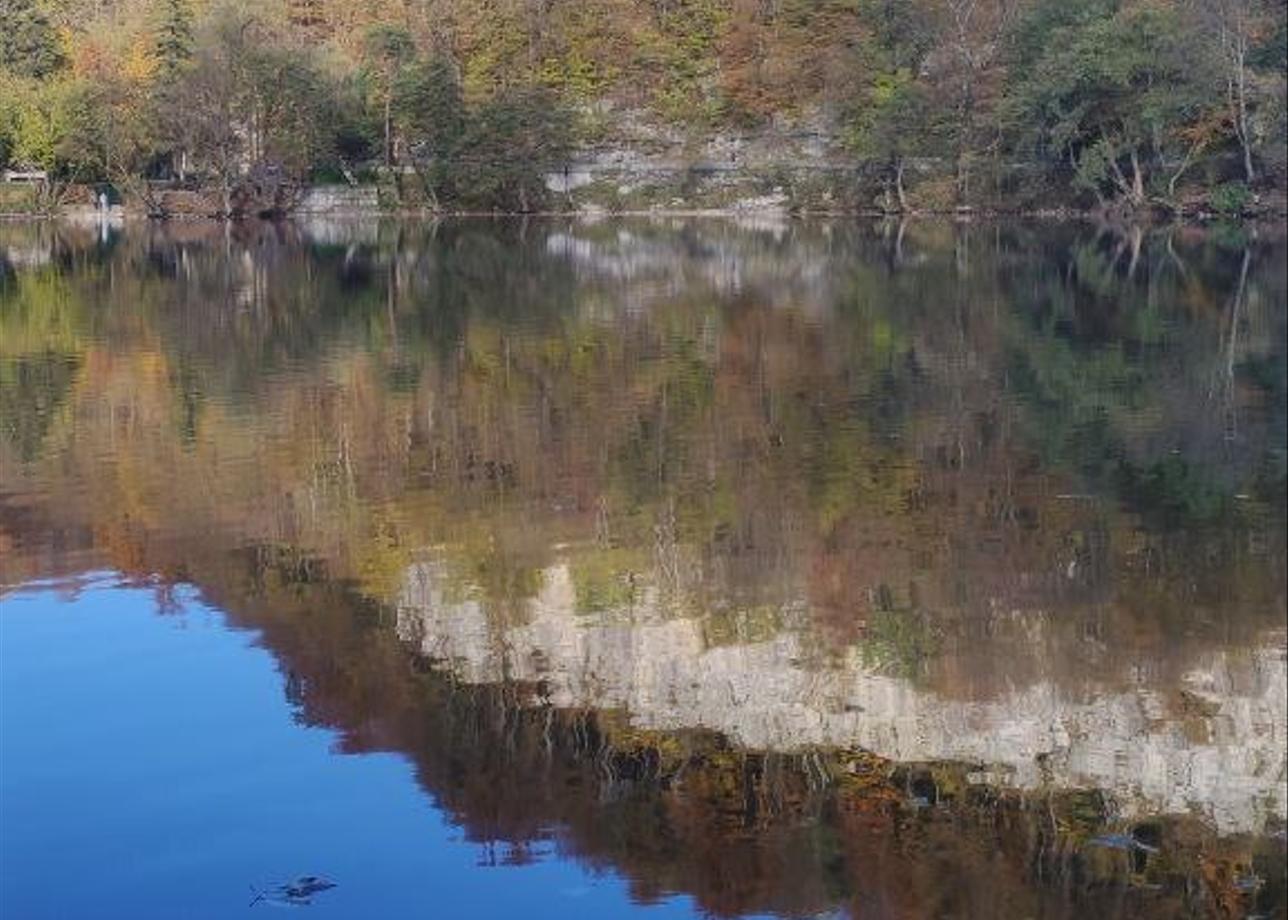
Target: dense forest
{"points": [[1121, 105]]}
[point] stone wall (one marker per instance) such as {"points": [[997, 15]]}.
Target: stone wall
{"points": [[339, 199]]}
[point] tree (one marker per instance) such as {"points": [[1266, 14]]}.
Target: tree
{"points": [[11, 89], [1108, 93], [28, 45], [1117, 100], [431, 117], [1237, 24], [173, 38], [291, 102], [895, 123], [44, 115], [203, 111], [387, 50], [971, 33], [509, 146], [257, 116], [109, 133], [901, 34], [892, 118]]}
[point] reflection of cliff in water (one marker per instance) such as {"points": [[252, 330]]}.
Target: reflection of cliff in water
{"points": [[1213, 745], [788, 566], [812, 831]]}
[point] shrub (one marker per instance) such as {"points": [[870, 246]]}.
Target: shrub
{"points": [[1230, 198]]}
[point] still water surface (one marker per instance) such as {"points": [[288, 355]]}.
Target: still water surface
{"points": [[672, 568]]}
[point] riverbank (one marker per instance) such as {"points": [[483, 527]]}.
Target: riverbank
{"points": [[639, 186], [1276, 214]]}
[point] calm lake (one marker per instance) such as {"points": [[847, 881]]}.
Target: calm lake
{"points": [[661, 568]]}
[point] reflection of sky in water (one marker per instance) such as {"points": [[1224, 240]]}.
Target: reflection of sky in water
{"points": [[682, 514], [152, 769]]}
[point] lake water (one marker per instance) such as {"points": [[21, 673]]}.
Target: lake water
{"points": [[670, 568]]}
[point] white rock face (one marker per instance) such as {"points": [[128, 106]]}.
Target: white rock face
{"points": [[1226, 763], [339, 199], [565, 181]]}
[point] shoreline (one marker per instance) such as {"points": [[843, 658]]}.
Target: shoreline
{"points": [[119, 216]]}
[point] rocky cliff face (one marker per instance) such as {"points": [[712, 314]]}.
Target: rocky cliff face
{"points": [[771, 170], [339, 199], [1215, 745]]}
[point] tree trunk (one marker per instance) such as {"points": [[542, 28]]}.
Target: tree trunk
{"points": [[1137, 181], [1124, 187], [389, 128], [426, 174], [1232, 26], [1136, 237], [898, 184], [226, 195], [1242, 115], [141, 188], [965, 129], [227, 160], [1190, 154]]}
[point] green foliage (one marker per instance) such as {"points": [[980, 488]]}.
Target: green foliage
{"points": [[296, 105], [251, 112], [902, 33], [895, 119], [1030, 38], [387, 46], [31, 390], [105, 131], [509, 144], [430, 115], [893, 115], [681, 53], [174, 37], [1173, 489], [1114, 99], [1230, 199], [1108, 90], [28, 44], [9, 109], [1269, 51], [356, 134], [429, 107], [46, 118], [901, 642], [606, 579]]}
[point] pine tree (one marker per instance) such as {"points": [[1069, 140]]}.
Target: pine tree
{"points": [[28, 45], [173, 36]]}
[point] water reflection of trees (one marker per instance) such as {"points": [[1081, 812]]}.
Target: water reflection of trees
{"points": [[999, 418], [987, 455], [741, 831]]}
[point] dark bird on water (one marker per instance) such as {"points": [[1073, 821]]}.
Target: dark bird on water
{"points": [[298, 893]]}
